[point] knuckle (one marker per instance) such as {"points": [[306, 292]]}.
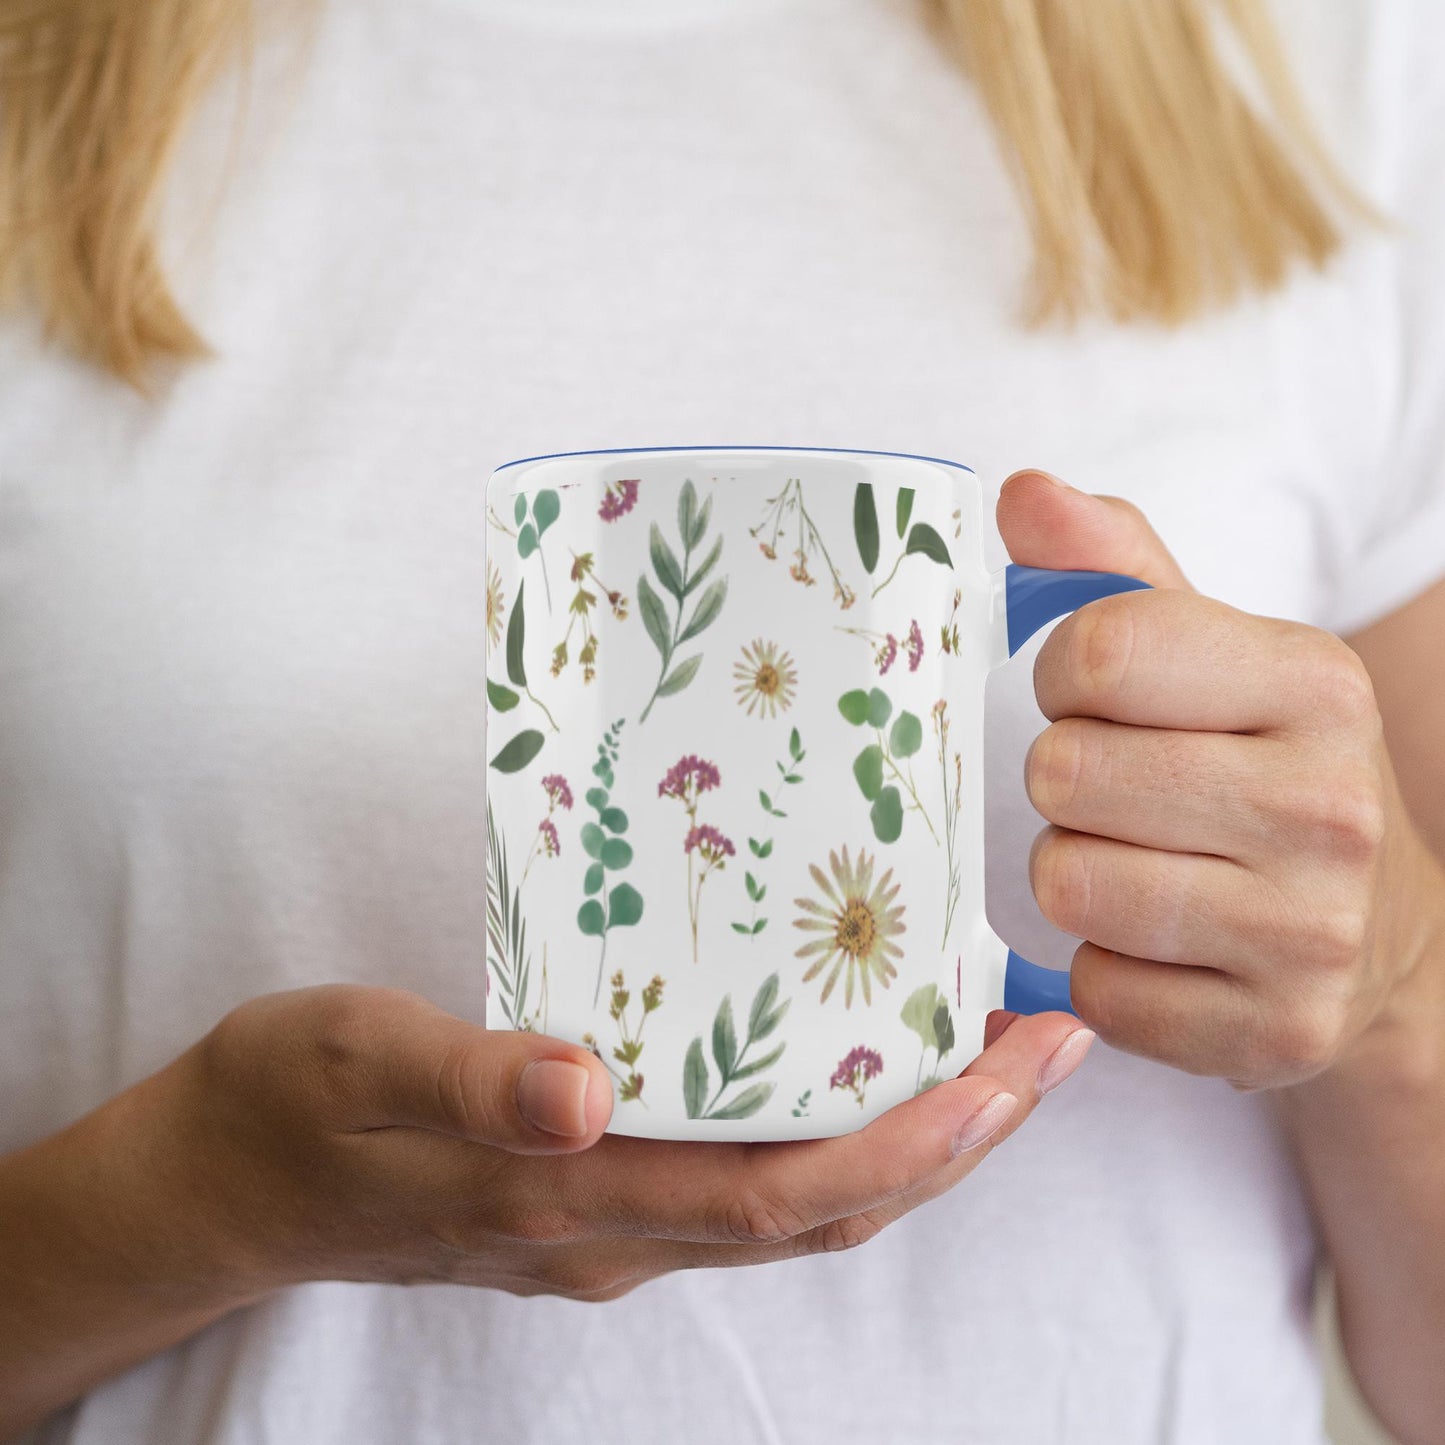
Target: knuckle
{"points": [[1055, 769], [1342, 682], [1059, 873], [1343, 818], [1101, 648], [752, 1218], [1299, 1045], [583, 1279], [851, 1232], [1335, 937]]}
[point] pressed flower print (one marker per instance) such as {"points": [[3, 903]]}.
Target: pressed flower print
{"points": [[858, 923], [766, 679], [496, 605], [855, 1070]]}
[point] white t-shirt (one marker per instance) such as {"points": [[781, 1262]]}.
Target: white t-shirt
{"points": [[241, 663]]}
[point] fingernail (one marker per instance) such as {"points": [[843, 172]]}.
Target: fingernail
{"points": [[1065, 1059], [984, 1122], [552, 1097], [998, 1023]]}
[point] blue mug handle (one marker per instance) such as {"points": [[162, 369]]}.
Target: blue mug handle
{"points": [[1034, 597]]}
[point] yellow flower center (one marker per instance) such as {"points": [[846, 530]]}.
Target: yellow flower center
{"points": [[856, 929], [767, 681]]}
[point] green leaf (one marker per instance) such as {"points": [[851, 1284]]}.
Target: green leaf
{"points": [[752, 886], [763, 1000], [614, 820], [616, 854], [591, 920], [526, 541], [879, 708], [943, 1035], [516, 637], [592, 840], [519, 510], [905, 508], [854, 706], [680, 676], [501, 698], [746, 1104], [742, 928], [664, 563], [906, 737], [918, 1011], [709, 562], [795, 745], [694, 1080], [868, 770], [865, 525], [887, 815], [519, 752], [792, 777], [761, 924], [687, 517], [624, 906], [766, 801], [707, 610], [654, 618], [924, 539], [545, 508], [725, 1039], [770, 1021], [758, 1066], [592, 880], [760, 850], [597, 798]]}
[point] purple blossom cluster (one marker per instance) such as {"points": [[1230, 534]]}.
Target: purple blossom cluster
{"points": [[887, 654], [709, 841], [619, 500], [914, 646], [559, 794], [856, 1069], [551, 844], [688, 777]]}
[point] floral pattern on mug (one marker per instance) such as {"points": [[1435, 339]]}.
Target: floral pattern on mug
{"points": [[706, 847], [766, 679], [855, 1070]]}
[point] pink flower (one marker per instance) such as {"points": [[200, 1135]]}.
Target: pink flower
{"points": [[915, 646], [551, 844], [709, 842], [688, 777], [558, 792], [619, 500], [887, 654], [855, 1070]]}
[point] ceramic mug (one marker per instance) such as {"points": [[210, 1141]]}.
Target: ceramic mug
{"points": [[734, 734]]}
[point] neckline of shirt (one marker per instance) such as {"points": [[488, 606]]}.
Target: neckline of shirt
{"points": [[594, 15]]}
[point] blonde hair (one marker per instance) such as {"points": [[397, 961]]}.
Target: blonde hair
{"points": [[1154, 188]]}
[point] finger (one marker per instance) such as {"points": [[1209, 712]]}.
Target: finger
{"points": [[1185, 792], [1176, 660], [407, 1062], [1200, 1020], [1045, 523], [767, 1193], [1183, 908]]}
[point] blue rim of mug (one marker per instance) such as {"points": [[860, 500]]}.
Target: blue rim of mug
{"points": [[834, 451]]}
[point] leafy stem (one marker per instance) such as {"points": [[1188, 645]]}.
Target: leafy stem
{"points": [[764, 1017]]}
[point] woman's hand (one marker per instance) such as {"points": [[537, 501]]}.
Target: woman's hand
{"points": [[1226, 830], [358, 1133]]}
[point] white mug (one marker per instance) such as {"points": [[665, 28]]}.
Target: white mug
{"points": [[735, 784]]}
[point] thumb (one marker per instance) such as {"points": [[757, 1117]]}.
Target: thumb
{"points": [[523, 1092], [1045, 523]]}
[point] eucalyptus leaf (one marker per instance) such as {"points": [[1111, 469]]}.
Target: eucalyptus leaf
{"points": [[906, 736], [546, 506], [614, 820], [854, 706], [591, 919], [592, 840], [519, 752], [868, 770], [526, 541], [616, 854], [879, 708], [597, 798], [624, 906], [519, 510], [886, 815], [593, 879]]}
